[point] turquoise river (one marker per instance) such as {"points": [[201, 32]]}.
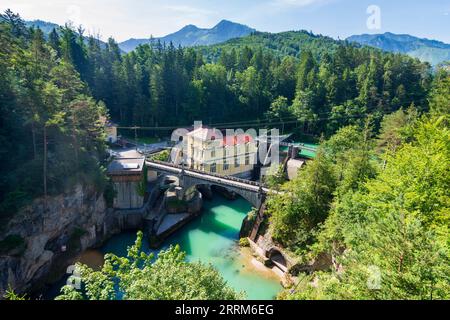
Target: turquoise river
{"points": [[210, 238]]}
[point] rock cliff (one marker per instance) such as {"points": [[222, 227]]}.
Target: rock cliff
{"points": [[40, 243]]}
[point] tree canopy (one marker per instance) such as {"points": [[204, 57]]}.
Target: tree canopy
{"points": [[386, 227], [141, 276]]}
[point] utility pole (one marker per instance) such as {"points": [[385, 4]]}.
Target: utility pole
{"points": [[135, 137], [45, 167]]}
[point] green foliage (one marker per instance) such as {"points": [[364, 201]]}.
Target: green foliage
{"points": [[161, 156], [109, 194], [12, 296], [275, 177], [296, 213], [252, 214], [291, 43], [440, 98], [243, 242], [51, 135], [142, 185], [291, 80], [12, 202], [396, 129], [389, 234], [140, 277], [12, 243]]}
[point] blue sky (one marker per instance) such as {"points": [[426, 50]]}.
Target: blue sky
{"points": [[124, 19]]}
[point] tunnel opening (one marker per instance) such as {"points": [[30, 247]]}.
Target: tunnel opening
{"points": [[277, 258]]}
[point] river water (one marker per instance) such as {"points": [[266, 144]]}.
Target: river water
{"points": [[210, 238]]}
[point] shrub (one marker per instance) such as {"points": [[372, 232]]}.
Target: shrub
{"points": [[161, 156], [243, 242]]}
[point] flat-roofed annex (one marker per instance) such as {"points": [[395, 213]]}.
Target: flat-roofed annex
{"points": [[123, 166]]}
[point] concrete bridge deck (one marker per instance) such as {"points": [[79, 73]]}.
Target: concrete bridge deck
{"points": [[253, 191]]}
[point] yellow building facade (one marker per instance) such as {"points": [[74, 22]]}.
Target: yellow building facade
{"points": [[208, 151]]}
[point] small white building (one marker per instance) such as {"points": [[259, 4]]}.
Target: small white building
{"points": [[111, 132]]}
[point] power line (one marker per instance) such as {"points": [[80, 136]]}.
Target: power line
{"points": [[257, 123]]}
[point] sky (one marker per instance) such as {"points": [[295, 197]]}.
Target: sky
{"points": [[124, 19]]}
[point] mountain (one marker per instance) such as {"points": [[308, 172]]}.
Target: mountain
{"points": [[288, 43], [45, 26], [191, 35], [431, 51]]}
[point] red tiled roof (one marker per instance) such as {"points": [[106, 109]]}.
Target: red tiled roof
{"points": [[236, 140]]}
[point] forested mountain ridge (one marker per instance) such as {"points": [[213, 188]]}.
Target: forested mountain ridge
{"points": [[320, 81], [191, 35], [289, 43], [46, 27], [431, 51], [49, 28]]}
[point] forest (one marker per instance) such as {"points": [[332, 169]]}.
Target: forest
{"points": [[376, 196], [51, 128]]}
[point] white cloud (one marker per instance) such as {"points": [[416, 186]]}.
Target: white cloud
{"points": [[297, 3], [189, 10]]}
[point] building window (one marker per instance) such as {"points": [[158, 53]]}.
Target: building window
{"points": [[213, 168], [225, 166], [247, 160], [247, 148], [236, 161], [213, 153]]}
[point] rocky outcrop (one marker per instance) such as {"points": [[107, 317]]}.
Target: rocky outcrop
{"points": [[53, 232]]}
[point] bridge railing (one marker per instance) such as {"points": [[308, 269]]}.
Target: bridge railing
{"points": [[299, 145], [231, 178]]}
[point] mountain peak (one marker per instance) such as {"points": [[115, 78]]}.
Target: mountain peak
{"points": [[191, 35], [225, 22], [189, 27]]}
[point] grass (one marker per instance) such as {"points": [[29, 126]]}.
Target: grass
{"points": [[161, 156], [148, 140], [129, 134]]}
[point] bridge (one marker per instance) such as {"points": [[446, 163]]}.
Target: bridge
{"points": [[252, 191], [298, 145]]}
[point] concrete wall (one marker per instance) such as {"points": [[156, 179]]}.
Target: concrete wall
{"points": [[111, 134], [127, 196], [152, 176]]}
